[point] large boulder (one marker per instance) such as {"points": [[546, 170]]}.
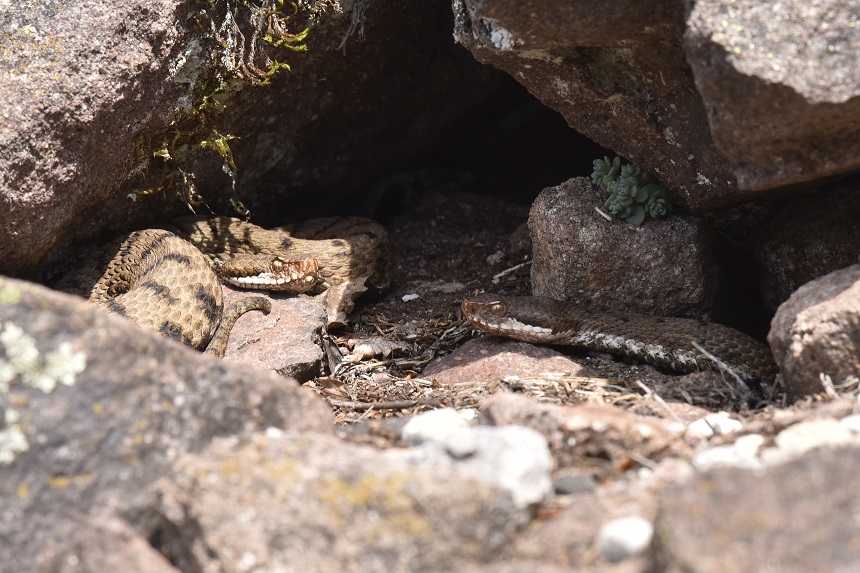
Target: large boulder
{"points": [[111, 108]]}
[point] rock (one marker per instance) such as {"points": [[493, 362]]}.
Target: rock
{"points": [[806, 436], [492, 358], [851, 422], [514, 458], [595, 439], [286, 341], [619, 77], [816, 333], [800, 515], [573, 483], [304, 501], [624, 538], [781, 94], [95, 408], [568, 531], [715, 424], [806, 237], [580, 256], [434, 425], [725, 456], [98, 94], [95, 543]]}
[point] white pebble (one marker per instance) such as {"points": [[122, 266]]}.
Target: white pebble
{"points": [[408, 297], [851, 422], [624, 537], [432, 425], [718, 423], [726, 456]]}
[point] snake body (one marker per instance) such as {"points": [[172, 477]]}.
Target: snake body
{"points": [[169, 280], [663, 342]]}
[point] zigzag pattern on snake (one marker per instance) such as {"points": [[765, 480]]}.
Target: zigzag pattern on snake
{"points": [[168, 280], [664, 342]]}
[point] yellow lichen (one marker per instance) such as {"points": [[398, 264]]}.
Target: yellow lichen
{"points": [[9, 294], [386, 495]]}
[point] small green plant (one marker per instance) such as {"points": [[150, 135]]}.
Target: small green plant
{"points": [[633, 192]]}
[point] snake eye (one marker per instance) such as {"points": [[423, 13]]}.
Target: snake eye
{"points": [[277, 265], [497, 308]]}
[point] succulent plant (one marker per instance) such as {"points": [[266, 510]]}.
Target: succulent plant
{"points": [[633, 192]]}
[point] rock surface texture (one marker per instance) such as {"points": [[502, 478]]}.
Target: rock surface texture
{"points": [[733, 519], [781, 85], [95, 410], [815, 334], [735, 100], [619, 77], [806, 237], [661, 268]]}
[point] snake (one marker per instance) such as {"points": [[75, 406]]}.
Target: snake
{"points": [[169, 279], [665, 342]]}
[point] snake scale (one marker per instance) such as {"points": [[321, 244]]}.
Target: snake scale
{"points": [[168, 280], [664, 342]]}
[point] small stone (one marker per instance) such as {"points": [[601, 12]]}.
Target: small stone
{"points": [[851, 422], [623, 538], [726, 456], [515, 458], [750, 444], [806, 436], [432, 425], [573, 483], [718, 423]]}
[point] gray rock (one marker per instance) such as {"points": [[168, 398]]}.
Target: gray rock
{"points": [[582, 257], [94, 90], [304, 501], [513, 458], [800, 515], [780, 82], [624, 538], [806, 237], [94, 410], [573, 483], [816, 333], [617, 76]]}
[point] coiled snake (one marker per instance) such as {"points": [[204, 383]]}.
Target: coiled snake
{"points": [[168, 279], [664, 342]]}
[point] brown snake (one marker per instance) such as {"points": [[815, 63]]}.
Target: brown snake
{"points": [[664, 342], [168, 280]]}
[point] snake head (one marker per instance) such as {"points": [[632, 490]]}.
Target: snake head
{"points": [[508, 316], [270, 272]]}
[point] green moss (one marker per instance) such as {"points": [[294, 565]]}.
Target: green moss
{"points": [[234, 54]]}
